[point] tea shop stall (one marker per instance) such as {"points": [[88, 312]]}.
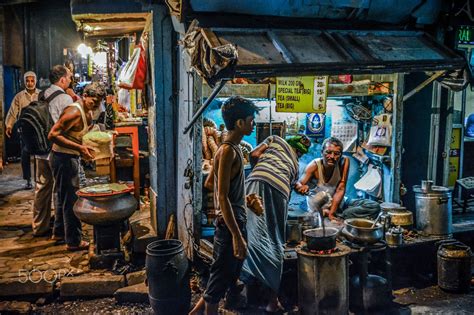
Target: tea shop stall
{"points": [[348, 84]]}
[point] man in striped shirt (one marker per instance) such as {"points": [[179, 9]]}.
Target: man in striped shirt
{"points": [[274, 174]]}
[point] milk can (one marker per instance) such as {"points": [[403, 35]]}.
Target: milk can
{"points": [[433, 209], [454, 267]]}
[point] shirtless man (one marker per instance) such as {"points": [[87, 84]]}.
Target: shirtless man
{"points": [[330, 171], [230, 246], [66, 136]]}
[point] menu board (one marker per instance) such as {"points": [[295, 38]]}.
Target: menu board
{"points": [[320, 94], [301, 94]]}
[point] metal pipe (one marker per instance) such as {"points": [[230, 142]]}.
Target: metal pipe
{"points": [[423, 84], [211, 97]]}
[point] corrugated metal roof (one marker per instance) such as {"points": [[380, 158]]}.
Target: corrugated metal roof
{"points": [[275, 52]]}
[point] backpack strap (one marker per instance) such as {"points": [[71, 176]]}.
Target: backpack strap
{"points": [[53, 95]]}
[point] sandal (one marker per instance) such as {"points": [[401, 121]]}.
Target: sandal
{"points": [[82, 246]]}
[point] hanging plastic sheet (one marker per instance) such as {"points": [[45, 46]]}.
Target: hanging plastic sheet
{"points": [[211, 59], [371, 182], [133, 75]]}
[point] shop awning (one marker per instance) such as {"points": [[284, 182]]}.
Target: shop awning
{"points": [[277, 52]]}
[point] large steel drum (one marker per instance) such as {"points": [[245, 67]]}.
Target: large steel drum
{"points": [[433, 210]]}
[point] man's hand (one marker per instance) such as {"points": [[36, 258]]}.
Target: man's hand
{"points": [[87, 153], [302, 189], [240, 247], [8, 132], [254, 203], [331, 217]]}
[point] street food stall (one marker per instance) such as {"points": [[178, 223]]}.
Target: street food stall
{"points": [[362, 77], [348, 84]]}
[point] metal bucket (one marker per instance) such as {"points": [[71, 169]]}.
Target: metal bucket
{"points": [[433, 210], [454, 267]]}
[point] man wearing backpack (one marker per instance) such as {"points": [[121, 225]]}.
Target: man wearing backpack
{"points": [[66, 136], [20, 101], [60, 78]]}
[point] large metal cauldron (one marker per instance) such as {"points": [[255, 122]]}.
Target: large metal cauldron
{"points": [[433, 210], [104, 209], [167, 271]]}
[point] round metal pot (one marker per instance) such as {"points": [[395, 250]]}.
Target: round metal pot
{"points": [[361, 231], [402, 218], [433, 210], [316, 239], [105, 210]]}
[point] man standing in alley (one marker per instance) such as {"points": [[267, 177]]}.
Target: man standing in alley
{"points": [[230, 247], [66, 136], [20, 101], [60, 78]]}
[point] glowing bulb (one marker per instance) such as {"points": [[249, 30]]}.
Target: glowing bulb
{"points": [[84, 50]]}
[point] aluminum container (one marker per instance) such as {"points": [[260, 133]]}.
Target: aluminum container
{"points": [[433, 210], [323, 282]]}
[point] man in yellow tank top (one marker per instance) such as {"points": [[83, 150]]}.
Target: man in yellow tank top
{"points": [[66, 136]]}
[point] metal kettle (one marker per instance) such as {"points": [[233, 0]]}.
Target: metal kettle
{"points": [[394, 236]]}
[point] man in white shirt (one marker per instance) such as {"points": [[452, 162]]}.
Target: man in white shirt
{"points": [[20, 101], [60, 78]]}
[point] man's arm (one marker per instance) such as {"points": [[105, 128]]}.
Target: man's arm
{"points": [[209, 182], [301, 186], [340, 190], [223, 186], [256, 153], [12, 115], [71, 117]]}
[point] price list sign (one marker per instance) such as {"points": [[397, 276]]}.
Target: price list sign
{"points": [[297, 95], [320, 94]]}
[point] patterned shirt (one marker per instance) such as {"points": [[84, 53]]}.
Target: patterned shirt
{"points": [[20, 101], [277, 166]]}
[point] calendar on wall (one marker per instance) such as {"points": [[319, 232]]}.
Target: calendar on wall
{"points": [[346, 132]]}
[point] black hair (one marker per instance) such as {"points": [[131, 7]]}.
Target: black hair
{"points": [[334, 141], [57, 73], [95, 90], [235, 108]]}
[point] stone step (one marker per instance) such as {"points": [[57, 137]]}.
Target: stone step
{"points": [[137, 293], [24, 287], [91, 286]]}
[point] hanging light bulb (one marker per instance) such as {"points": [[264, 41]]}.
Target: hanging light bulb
{"points": [[84, 50]]}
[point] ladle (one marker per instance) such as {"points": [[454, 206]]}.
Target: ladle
{"points": [[377, 219]]}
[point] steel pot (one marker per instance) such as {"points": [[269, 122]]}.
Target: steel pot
{"points": [[316, 239], [433, 210], [293, 231], [361, 231]]}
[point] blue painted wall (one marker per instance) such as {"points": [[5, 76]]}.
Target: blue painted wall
{"points": [[297, 201]]}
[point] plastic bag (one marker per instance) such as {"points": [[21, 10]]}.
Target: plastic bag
{"points": [[381, 131], [100, 142], [133, 75]]}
